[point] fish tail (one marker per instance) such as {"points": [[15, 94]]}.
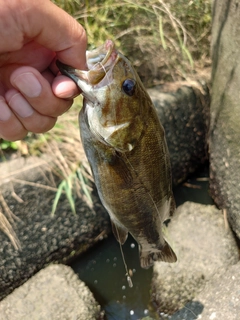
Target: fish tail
{"points": [[163, 253]]}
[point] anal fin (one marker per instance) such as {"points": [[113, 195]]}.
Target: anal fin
{"points": [[120, 232]]}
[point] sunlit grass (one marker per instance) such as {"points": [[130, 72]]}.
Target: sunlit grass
{"points": [[165, 40]]}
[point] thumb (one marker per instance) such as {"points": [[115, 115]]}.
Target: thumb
{"points": [[53, 28]]}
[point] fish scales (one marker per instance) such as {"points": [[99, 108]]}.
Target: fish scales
{"points": [[125, 145]]}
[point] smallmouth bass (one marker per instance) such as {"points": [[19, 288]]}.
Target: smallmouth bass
{"points": [[125, 145]]}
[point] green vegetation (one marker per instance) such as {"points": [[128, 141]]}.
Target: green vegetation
{"points": [[4, 145], [165, 40]]}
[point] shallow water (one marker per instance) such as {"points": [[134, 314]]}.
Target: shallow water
{"points": [[102, 268]]}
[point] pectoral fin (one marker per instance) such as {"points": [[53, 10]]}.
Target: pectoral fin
{"points": [[120, 232]]}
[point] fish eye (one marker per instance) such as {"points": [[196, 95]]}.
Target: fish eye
{"points": [[128, 87]]}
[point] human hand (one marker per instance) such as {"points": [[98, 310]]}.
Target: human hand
{"points": [[33, 34]]}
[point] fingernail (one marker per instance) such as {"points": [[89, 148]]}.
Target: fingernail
{"points": [[28, 84], [65, 91], [5, 113], [20, 106]]}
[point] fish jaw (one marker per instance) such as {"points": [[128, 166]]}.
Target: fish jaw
{"points": [[106, 106], [100, 62]]}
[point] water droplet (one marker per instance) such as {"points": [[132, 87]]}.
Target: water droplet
{"points": [[115, 259], [132, 245], [131, 312], [114, 265], [134, 270], [95, 281], [146, 311], [123, 287], [124, 297], [108, 260]]}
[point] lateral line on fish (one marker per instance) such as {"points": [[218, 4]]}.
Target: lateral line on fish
{"points": [[144, 187], [129, 280]]}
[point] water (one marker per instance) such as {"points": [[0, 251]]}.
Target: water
{"points": [[102, 267], [195, 189]]}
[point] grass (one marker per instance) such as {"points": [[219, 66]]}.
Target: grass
{"points": [[7, 220], [165, 40], [62, 143]]}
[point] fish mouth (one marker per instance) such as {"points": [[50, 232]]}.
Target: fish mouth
{"points": [[100, 62]]}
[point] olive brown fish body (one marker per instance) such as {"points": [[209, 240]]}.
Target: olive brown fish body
{"points": [[126, 148]]}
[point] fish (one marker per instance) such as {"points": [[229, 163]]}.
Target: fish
{"points": [[125, 144]]}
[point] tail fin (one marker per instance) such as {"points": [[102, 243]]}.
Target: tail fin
{"points": [[162, 253]]}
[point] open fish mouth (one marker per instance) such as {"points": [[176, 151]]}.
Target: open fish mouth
{"points": [[104, 55], [100, 62]]}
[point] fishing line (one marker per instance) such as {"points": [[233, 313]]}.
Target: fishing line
{"points": [[129, 280], [105, 71], [195, 315]]}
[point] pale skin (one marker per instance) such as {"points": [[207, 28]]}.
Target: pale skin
{"points": [[33, 34]]}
